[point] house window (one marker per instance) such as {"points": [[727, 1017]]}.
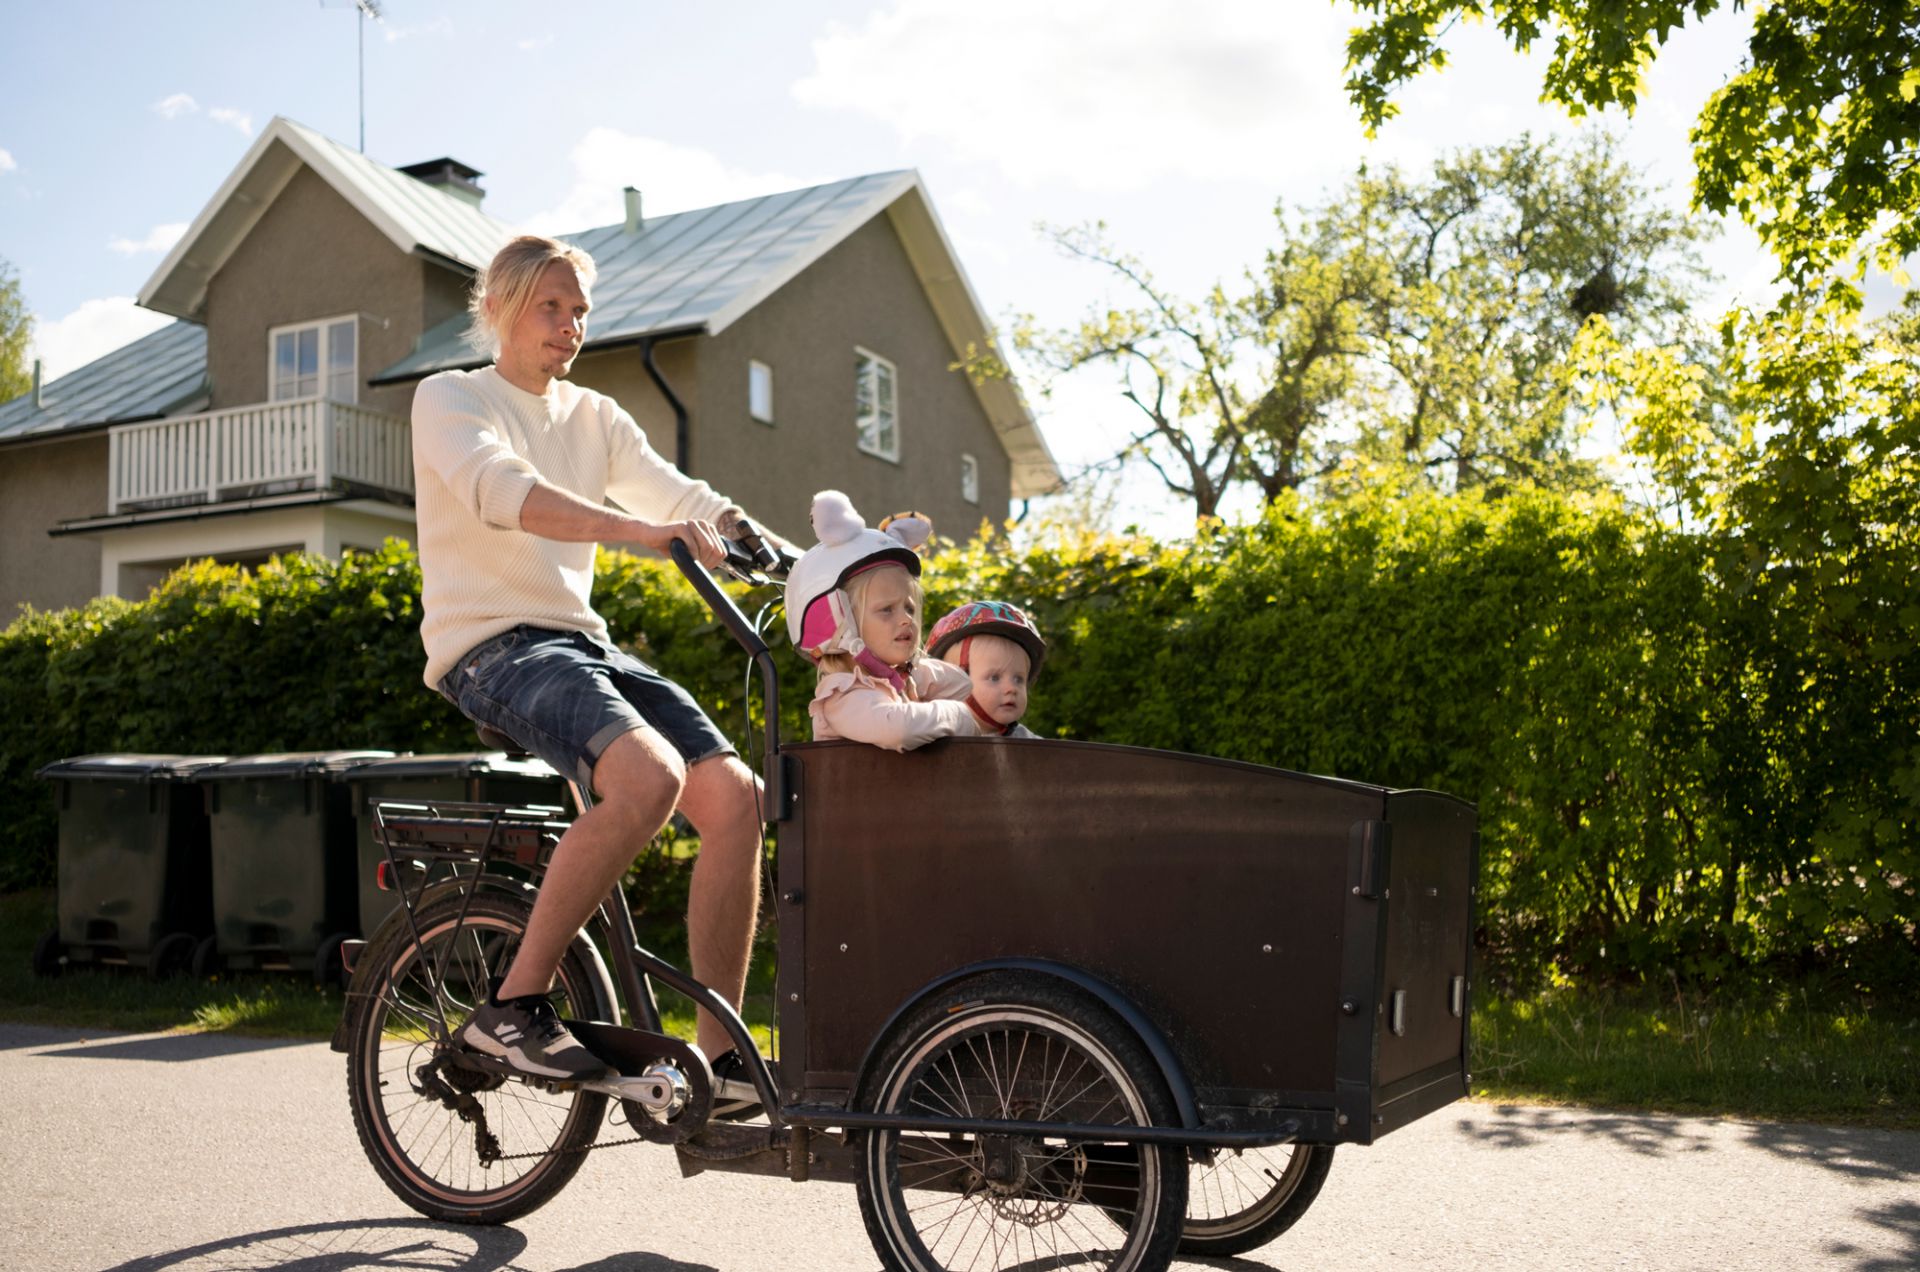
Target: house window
{"points": [[760, 391], [315, 359], [970, 479], [875, 405]]}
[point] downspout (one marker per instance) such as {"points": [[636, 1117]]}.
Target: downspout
{"points": [[673, 400]]}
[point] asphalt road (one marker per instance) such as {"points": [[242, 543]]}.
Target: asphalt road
{"points": [[139, 1153]]}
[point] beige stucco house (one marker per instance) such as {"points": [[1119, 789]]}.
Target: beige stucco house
{"points": [[773, 346]]}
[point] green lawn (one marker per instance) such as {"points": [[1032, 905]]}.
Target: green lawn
{"points": [[1792, 1055]]}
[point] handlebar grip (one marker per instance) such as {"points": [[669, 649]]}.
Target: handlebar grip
{"points": [[748, 536]]}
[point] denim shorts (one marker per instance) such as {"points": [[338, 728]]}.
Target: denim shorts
{"points": [[565, 697]]}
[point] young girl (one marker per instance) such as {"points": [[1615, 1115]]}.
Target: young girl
{"points": [[1001, 651], [853, 607]]}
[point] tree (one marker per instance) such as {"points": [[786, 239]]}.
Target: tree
{"points": [[1815, 141], [16, 332], [1408, 332]]}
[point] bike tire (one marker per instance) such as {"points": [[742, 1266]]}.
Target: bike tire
{"points": [[1243, 1199], [1008, 1046], [423, 1151]]}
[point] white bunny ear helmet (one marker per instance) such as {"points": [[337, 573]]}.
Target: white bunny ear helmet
{"points": [[820, 617]]}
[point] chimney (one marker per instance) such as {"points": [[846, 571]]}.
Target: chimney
{"points": [[38, 400], [456, 178], [634, 218]]}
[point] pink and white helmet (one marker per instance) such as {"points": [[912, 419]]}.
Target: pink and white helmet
{"points": [[820, 617]]}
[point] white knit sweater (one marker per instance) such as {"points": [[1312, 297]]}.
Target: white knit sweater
{"points": [[479, 443]]}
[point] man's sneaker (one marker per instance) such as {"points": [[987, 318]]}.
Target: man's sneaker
{"points": [[734, 1095], [528, 1035]]}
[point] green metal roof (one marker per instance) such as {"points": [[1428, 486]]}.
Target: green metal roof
{"points": [[156, 374]]}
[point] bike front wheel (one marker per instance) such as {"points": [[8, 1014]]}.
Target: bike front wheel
{"points": [[1017, 1049], [454, 1143]]}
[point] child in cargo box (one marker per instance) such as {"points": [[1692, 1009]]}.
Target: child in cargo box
{"points": [[853, 608], [1001, 650]]}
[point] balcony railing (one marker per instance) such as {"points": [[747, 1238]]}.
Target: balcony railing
{"points": [[265, 449]]}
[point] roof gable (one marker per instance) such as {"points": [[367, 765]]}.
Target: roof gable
{"points": [[418, 218]]}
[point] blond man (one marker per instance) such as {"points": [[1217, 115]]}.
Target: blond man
{"points": [[513, 468]]}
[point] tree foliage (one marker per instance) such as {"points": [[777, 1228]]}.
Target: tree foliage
{"points": [[1408, 332], [1814, 140], [16, 334]]}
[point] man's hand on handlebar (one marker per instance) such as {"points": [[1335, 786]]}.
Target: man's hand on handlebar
{"points": [[703, 539]]}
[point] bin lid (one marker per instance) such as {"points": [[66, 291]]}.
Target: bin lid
{"points": [[130, 768], [291, 764], [463, 764]]}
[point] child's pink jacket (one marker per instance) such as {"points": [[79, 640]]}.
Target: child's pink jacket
{"points": [[857, 705]]}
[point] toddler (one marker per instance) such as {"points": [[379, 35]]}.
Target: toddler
{"points": [[853, 608], [1001, 651]]}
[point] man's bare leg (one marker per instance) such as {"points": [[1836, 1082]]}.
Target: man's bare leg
{"points": [[724, 900], [636, 783]]}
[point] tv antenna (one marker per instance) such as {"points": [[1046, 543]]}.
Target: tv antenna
{"points": [[368, 9]]}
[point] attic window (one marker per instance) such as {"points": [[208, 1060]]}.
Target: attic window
{"points": [[875, 405], [760, 391], [970, 479], [313, 360]]}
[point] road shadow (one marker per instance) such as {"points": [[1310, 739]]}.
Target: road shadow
{"points": [[1865, 1153], [171, 1048], [1516, 1126], [381, 1245], [1902, 1218], [348, 1245]]}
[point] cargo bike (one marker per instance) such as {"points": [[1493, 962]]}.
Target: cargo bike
{"points": [[1045, 1003]]}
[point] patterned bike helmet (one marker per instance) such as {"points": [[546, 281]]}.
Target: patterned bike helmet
{"points": [[820, 616], [987, 618]]}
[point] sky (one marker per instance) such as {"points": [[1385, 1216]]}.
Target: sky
{"points": [[1179, 126]]}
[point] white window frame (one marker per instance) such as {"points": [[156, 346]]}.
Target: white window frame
{"points": [[872, 437], [756, 372], [324, 326], [969, 478]]}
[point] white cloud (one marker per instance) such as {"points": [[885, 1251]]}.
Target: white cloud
{"points": [[183, 104], [158, 239], [540, 43], [97, 327], [175, 106], [439, 26], [237, 118], [670, 179], [6, 161], [1103, 94]]}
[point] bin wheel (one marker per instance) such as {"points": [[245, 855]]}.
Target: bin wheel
{"points": [[1018, 1048], [206, 958], [49, 955], [1244, 1198], [329, 966], [171, 955]]}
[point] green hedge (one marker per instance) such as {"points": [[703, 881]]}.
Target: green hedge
{"points": [[1676, 770]]}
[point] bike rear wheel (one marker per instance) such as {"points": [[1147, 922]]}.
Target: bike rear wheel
{"points": [[424, 1119]]}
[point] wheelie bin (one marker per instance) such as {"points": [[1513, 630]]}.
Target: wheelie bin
{"points": [[134, 876], [283, 861], [482, 777]]}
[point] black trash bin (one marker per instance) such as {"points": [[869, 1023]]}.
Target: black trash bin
{"points": [[283, 859], [135, 885], [480, 777]]}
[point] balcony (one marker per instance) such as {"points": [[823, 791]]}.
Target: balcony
{"points": [[277, 448]]}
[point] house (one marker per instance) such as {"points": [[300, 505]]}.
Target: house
{"points": [[773, 346]]}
